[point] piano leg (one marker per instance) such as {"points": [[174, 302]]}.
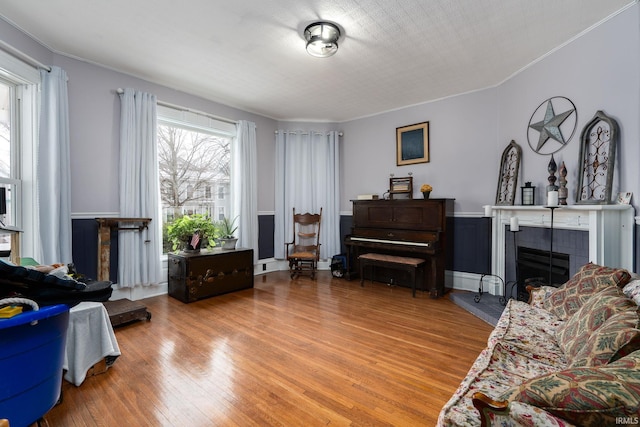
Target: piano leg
{"points": [[435, 278]]}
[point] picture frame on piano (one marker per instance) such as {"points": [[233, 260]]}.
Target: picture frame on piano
{"points": [[412, 144]]}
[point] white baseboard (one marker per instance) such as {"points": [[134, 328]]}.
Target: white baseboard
{"points": [[269, 265], [453, 279], [471, 282], [140, 292]]}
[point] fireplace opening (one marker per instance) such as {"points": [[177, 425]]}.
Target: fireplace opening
{"points": [[534, 265]]}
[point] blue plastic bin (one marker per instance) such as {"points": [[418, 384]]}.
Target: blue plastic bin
{"points": [[31, 357]]}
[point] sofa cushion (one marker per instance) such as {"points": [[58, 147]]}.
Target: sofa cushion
{"points": [[527, 325], [589, 396], [591, 278], [617, 337], [632, 290], [573, 334]]}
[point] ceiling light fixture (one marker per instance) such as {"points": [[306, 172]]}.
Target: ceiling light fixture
{"points": [[322, 39]]}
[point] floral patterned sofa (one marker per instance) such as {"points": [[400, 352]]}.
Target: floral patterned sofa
{"points": [[571, 356]]}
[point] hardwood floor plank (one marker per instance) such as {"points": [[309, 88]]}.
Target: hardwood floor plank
{"points": [[285, 353]]}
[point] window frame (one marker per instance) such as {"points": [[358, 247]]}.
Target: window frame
{"points": [[191, 120], [25, 81]]}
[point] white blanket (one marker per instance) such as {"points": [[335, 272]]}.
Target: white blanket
{"points": [[90, 338]]}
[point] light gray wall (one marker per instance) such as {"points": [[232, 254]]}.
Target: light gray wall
{"points": [[462, 146], [598, 71]]}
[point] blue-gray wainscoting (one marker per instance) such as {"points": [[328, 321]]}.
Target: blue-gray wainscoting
{"points": [[471, 244], [84, 234]]}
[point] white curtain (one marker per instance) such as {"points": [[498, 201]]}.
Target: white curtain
{"points": [[244, 183], [139, 252], [54, 169], [307, 178]]}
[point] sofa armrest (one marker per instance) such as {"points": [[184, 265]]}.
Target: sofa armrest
{"points": [[505, 413], [487, 406]]}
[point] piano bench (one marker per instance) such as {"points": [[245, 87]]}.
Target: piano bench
{"points": [[410, 265]]}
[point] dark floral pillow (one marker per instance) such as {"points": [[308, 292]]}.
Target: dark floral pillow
{"points": [[616, 338], [591, 278], [586, 396], [576, 330]]}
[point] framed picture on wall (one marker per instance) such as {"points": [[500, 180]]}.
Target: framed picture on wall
{"points": [[412, 144]]}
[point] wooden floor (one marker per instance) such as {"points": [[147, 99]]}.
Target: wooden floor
{"points": [[286, 353]]}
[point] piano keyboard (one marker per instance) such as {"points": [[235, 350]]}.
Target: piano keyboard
{"points": [[393, 242]]}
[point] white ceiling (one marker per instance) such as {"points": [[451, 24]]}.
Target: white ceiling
{"points": [[250, 54]]}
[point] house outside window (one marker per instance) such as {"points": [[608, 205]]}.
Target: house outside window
{"points": [[194, 156]]}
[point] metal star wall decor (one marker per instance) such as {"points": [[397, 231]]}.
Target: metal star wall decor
{"points": [[552, 127]]}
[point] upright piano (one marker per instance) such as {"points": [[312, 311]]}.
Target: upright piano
{"points": [[417, 228]]}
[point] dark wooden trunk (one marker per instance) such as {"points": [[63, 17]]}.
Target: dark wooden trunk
{"points": [[215, 272]]}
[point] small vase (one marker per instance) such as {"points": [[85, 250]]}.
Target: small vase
{"points": [[229, 244], [426, 194]]}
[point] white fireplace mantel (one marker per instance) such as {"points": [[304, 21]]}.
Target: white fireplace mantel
{"points": [[610, 227]]}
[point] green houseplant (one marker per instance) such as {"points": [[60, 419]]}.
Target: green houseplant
{"points": [[182, 230], [227, 228]]}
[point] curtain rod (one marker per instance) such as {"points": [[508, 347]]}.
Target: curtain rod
{"points": [[22, 56], [304, 133], [120, 91]]}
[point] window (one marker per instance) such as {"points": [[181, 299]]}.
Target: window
{"points": [[18, 107], [194, 156], [6, 162]]}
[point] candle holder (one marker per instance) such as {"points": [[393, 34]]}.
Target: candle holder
{"points": [[478, 296], [512, 283], [553, 208]]}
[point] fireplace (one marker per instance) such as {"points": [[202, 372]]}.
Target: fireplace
{"points": [[539, 265], [602, 234]]}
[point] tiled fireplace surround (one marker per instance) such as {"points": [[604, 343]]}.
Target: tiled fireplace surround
{"points": [[602, 234]]}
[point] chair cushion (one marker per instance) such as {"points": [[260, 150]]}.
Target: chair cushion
{"points": [[589, 396], [574, 333], [302, 255], [591, 278]]}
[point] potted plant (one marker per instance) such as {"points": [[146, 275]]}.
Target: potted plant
{"points": [[426, 190], [227, 227], [189, 231]]}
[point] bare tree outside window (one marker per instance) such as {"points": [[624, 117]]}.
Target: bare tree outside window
{"points": [[190, 164]]}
